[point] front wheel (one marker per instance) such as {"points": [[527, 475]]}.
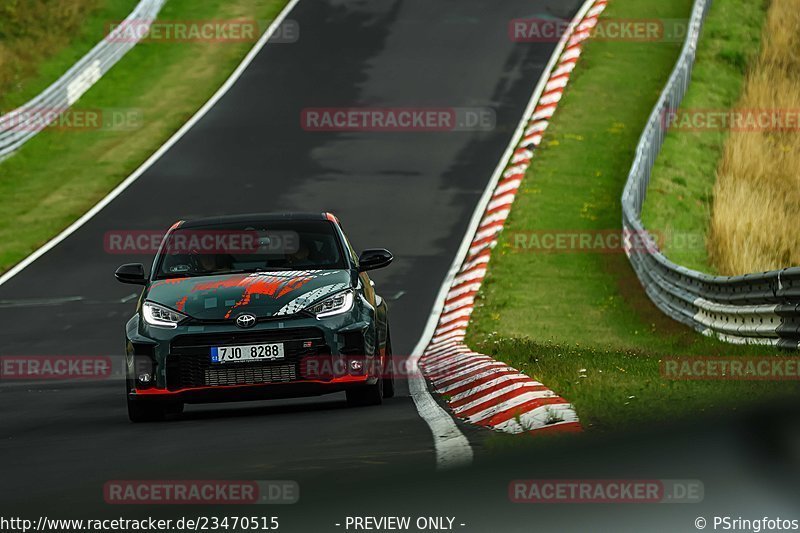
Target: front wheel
{"points": [[152, 411], [365, 395]]}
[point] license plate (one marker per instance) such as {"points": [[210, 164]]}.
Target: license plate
{"points": [[246, 353]]}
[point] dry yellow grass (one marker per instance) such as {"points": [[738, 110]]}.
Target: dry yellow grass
{"points": [[755, 223]]}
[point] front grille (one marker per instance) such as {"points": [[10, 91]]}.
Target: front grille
{"points": [[189, 362], [253, 374]]}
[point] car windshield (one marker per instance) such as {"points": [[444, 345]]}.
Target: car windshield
{"points": [[250, 247]]}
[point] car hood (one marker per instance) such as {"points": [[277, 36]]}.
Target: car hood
{"points": [[263, 294]]}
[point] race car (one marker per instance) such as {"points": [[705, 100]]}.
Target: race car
{"points": [[251, 307]]}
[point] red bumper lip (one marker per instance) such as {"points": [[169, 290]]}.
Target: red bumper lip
{"points": [[222, 393]]}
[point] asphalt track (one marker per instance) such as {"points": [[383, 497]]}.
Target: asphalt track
{"points": [[411, 192]]}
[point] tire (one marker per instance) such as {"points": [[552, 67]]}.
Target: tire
{"points": [[152, 411], [175, 408], [388, 381], [365, 395]]}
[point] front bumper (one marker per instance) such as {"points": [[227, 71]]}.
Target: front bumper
{"points": [[238, 393], [318, 355]]}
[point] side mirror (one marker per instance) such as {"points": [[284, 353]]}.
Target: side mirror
{"points": [[374, 258], [131, 273]]}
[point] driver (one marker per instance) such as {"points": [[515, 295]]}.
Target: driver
{"points": [[300, 256], [209, 263]]}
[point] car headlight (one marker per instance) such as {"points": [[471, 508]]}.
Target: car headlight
{"points": [[158, 315], [337, 304]]}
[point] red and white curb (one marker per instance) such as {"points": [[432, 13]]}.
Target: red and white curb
{"points": [[478, 389]]}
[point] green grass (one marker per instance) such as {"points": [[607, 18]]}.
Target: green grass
{"points": [[574, 184], [43, 39], [680, 195], [60, 174], [619, 390], [551, 314]]}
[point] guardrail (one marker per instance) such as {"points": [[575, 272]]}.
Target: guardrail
{"points": [[761, 308], [18, 126]]}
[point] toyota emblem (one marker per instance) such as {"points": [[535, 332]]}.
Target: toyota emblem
{"points": [[246, 321]]}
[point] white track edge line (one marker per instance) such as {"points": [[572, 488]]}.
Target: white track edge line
{"points": [[487, 194], [52, 243], [452, 447]]}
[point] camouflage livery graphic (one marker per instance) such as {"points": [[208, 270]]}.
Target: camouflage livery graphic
{"points": [[262, 293]]}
